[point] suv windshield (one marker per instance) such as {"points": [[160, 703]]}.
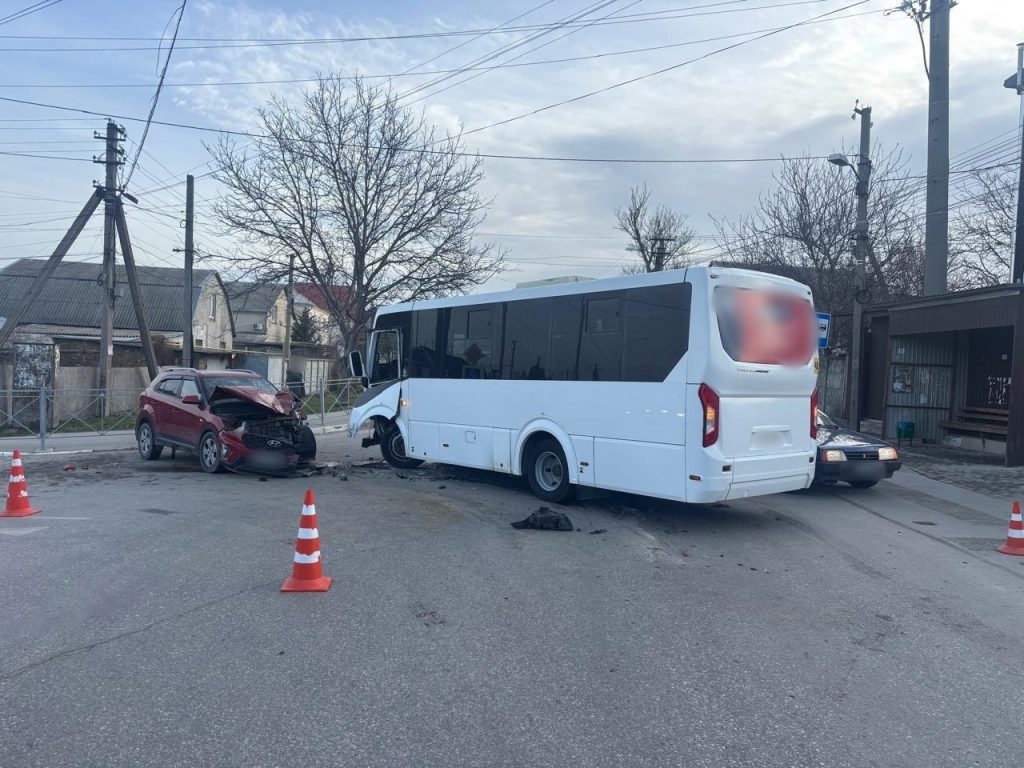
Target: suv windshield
{"points": [[210, 383]]}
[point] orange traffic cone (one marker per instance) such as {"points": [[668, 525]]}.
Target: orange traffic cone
{"points": [[18, 504], [1015, 536], [307, 573]]}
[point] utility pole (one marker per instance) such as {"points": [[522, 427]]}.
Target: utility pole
{"points": [[862, 244], [289, 307], [1016, 82], [186, 337], [936, 235], [660, 246], [111, 159]]}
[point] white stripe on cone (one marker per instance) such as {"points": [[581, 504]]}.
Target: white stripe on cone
{"points": [[309, 510], [1014, 534], [309, 533], [307, 559], [15, 462], [17, 480]]}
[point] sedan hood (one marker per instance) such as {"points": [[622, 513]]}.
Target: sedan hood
{"points": [[251, 398], [838, 437]]}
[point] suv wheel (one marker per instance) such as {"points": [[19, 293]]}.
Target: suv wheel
{"points": [[148, 449], [209, 453]]}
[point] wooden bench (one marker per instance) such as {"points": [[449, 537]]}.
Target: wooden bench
{"points": [[980, 421]]}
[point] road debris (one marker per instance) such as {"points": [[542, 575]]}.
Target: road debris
{"points": [[598, 530], [545, 519]]}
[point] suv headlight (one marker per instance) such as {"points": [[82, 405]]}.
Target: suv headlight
{"points": [[887, 454], [832, 456]]}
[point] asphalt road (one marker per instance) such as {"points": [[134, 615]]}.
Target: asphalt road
{"points": [[141, 625]]}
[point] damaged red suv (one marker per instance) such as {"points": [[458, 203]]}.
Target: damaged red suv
{"points": [[230, 419]]}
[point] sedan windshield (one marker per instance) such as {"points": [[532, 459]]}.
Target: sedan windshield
{"points": [[210, 383]]}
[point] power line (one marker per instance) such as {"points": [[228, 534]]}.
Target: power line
{"points": [[283, 42], [661, 71], [410, 73], [485, 155], [28, 11], [156, 96], [46, 157]]}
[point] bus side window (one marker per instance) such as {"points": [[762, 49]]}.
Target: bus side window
{"points": [[601, 345], [566, 326], [471, 343], [527, 338], [424, 353], [657, 331]]}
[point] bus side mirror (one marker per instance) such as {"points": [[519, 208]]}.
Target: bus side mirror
{"points": [[355, 364]]}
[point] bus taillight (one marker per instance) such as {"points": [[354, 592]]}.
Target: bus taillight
{"points": [[709, 404], [814, 413]]}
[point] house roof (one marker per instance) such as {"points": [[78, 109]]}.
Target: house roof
{"points": [[316, 296], [253, 297], [73, 297]]}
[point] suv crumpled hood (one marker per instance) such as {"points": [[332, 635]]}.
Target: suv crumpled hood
{"points": [[264, 402]]}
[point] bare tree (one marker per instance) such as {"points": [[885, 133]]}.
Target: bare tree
{"points": [[981, 240], [363, 194], [661, 237], [803, 228]]}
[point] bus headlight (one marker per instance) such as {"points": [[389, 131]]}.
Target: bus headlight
{"points": [[887, 454], [832, 456]]}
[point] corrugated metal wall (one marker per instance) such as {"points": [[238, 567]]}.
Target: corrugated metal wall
{"points": [[920, 385]]}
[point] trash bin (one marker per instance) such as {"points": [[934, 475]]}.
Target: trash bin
{"points": [[904, 429]]}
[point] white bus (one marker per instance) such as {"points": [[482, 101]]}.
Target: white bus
{"points": [[696, 385]]}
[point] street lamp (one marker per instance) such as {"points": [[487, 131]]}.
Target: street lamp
{"points": [[863, 173]]}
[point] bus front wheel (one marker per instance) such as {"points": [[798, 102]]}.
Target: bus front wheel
{"points": [[548, 472], [392, 448]]}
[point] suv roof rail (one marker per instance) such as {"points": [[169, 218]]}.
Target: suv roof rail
{"points": [[179, 368]]}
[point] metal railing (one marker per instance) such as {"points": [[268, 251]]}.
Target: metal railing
{"points": [[328, 396], [45, 412]]}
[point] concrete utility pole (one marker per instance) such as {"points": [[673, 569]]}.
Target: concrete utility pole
{"points": [[111, 159], [936, 235], [186, 338], [861, 250], [1016, 82]]}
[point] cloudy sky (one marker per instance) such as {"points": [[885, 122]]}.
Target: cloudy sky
{"points": [[736, 94]]}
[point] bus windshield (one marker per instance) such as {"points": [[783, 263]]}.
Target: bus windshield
{"points": [[764, 326]]}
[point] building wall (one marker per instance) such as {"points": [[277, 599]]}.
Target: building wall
{"points": [[244, 322], [214, 332], [919, 386], [276, 320]]}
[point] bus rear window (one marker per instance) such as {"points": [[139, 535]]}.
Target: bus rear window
{"points": [[767, 327]]}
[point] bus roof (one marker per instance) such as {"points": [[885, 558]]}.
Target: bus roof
{"points": [[595, 286]]}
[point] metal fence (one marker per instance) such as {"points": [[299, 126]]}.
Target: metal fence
{"points": [[328, 396], [44, 412]]}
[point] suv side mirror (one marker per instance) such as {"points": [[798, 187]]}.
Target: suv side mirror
{"points": [[192, 400], [355, 364]]}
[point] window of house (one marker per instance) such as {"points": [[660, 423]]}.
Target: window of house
{"points": [[213, 306], [273, 314]]}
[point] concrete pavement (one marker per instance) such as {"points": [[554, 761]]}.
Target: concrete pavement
{"points": [[827, 628]]}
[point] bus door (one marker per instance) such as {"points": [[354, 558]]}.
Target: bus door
{"points": [[383, 380]]}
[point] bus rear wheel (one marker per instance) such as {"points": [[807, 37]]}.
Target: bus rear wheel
{"points": [[547, 471], [392, 448]]}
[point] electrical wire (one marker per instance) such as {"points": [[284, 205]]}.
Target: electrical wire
{"points": [[28, 11], [409, 73], [156, 96]]}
